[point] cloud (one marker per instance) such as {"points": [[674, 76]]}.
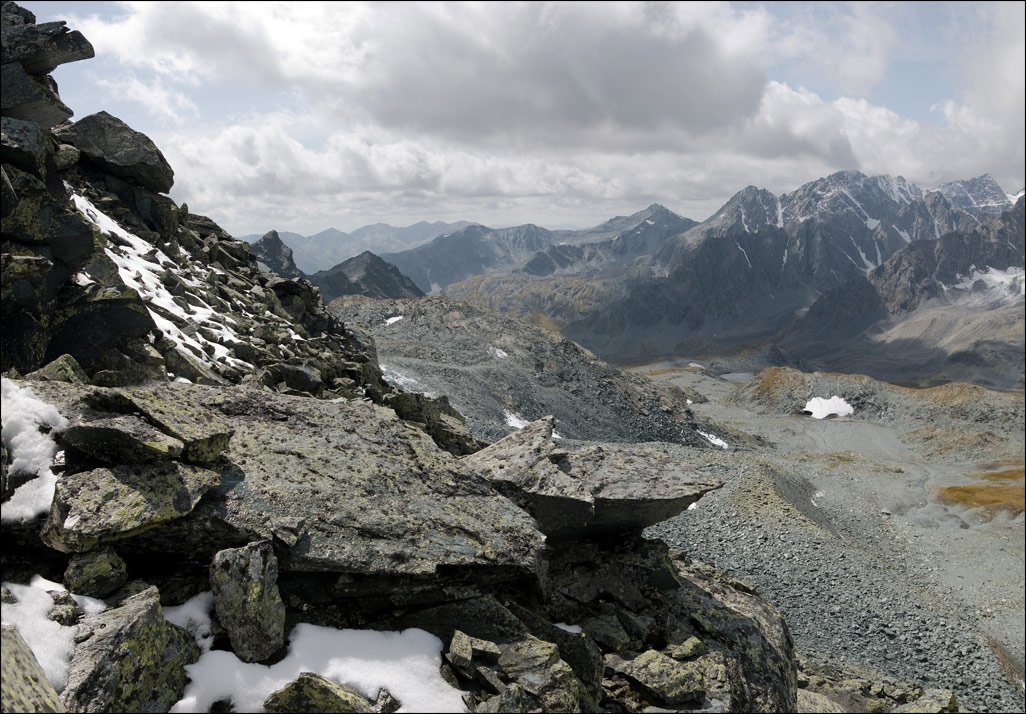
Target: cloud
{"points": [[304, 115]]}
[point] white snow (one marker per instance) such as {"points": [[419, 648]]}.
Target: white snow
{"points": [[784, 261], [514, 420], [51, 642], [393, 320], [865, 261], [818, 494], [404, 381], [1013, 198], [904, 234], [497, 353], [743, 252], [32, 451], [405, 663], [996, 279], [573, 629], [693, 506], [872, 223], [780, 213], [81, 279], [821, 408], [142, 267], [714, 440], [649, 221]]}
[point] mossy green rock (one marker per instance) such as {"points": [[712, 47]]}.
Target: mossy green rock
{"points": [[246, 599], [665, 680], [96, 573], [63, 369], [536, 666], [23, 685], [129, 659], [204, 433], [122, 439], [311, 692], [108, 504]]}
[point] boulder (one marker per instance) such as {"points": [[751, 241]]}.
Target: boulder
{"points": [[246, 599], [663, 679], [122, 439], [513, 700], [96, 573], [41, 48], [24, 144], [107, 504], [589, 491], [933, 701], [129, 659], [464, 650], [63, 369], [23, 685], [115, 147], [25, 98], [65, 610], [204, 434], [814, 703], [537, 667], [65, 157], [311, 692]]}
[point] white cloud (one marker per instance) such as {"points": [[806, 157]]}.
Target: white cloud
{"points": [[305, 115]]}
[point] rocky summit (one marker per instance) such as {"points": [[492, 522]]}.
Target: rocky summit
{"points": [[220, 494]]}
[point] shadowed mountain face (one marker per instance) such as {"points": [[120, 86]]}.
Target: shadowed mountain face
{"points": [[366, 275], [274, 256]]}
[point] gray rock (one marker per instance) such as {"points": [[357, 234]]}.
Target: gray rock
{"points": [[63, 369], [589, 491], [65, 609], [607, 631], [24, 144], [514, 700], [114, 146], [122, 439], [66, 157], [667, 681], [203, 433], [129, 659], [933, 701], [311, 692], [246, 599], [300, 377], [537, 667], [24, 98], [23, 685], [464, 650], [41, 48], [814, 703], [101, 505], [8, 196], [96, 573]]}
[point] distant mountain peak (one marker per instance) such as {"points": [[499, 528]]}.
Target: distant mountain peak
{"points": [[274, 256]]}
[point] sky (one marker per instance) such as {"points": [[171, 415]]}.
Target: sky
{"points": [[303, 116]]}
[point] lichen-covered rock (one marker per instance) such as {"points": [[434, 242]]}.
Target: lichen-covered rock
{"points": [[814, 703], [63, 369], [464, 650], [107, 504], [514, 700], [933, 701], [122, 439], [667, 681], [203, 433], [42, 48], [688, 649], [65, 610], [96, 573], [246, 599], [24, 98], [311, 692], [24, 144], [537, 667], [113, 146], [589, 491], [129, 659], [23, 685]]}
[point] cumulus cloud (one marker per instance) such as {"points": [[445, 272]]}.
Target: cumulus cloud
{"points": [[304, 115]]}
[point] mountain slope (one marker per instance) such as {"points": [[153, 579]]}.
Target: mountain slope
{"points": [[366, 275], [274, 256]]}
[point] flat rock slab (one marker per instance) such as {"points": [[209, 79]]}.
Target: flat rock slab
{"points": [[583, 492], [348, 487], [203, 433], [43, 47], [107, 504], [669, 682], [121, 439]]}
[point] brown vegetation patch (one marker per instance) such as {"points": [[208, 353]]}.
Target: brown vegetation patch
{"points": [[1012, 474], [990, 497]]}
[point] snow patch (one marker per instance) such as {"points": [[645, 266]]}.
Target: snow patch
{"points": [[393, 320], [404, 381], [574, 629], [31, 450], [872, 223], [904, 235], [649, 221], [514, 420], [405, 663], [51, 642], [820, 408], [743, 252], [995, 279], [497, 353], [714, 440]]}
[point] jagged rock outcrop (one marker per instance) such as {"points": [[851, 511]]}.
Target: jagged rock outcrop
{"points": [[274, 256]]}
